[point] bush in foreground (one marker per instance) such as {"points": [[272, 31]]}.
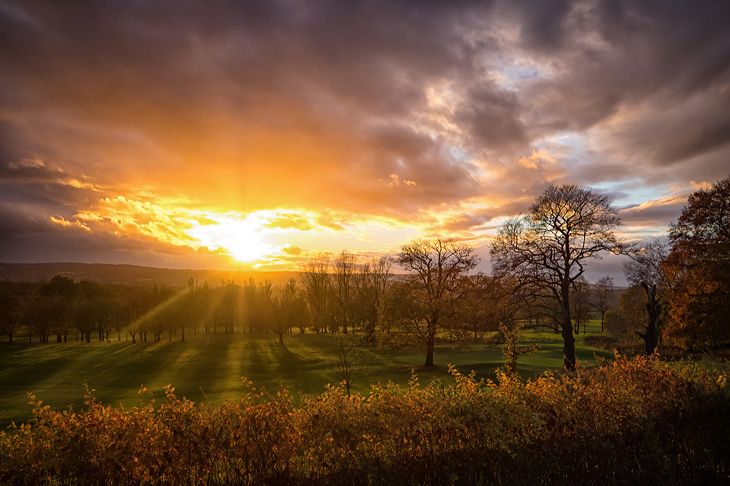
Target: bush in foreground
{"points": [[635, 421]]}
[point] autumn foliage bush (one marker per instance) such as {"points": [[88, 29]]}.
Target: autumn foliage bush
{"points": [[637, 421]]}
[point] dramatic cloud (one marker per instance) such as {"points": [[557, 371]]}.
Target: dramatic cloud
{"points": [[188, 132]]}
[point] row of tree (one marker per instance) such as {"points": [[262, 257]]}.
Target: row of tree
{"points": [[685, 281], [538, 262]]}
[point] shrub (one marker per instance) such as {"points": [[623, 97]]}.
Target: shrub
{"points": [[626, 421]]}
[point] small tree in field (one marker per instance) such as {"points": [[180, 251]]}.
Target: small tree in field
{"points": [[437, 269], [512, 352], [547, 249], [349, 364]]}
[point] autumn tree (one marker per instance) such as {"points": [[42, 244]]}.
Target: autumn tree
{"points": [[698, 268], [645, 269], [547, 249], [437, 270]]}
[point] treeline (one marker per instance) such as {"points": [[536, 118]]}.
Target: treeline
{"points": [[343, 293], [62, 309], [626, 422], [680, 288]]}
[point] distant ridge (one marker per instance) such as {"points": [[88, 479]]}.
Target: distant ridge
{"points": [[129, 274]]}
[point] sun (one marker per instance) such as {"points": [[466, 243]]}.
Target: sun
{"points": [[247, 248], [242, 237]]}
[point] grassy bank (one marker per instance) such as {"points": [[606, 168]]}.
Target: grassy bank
{"points": [[208, 368], [630, 421]]}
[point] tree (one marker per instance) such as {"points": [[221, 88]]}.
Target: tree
{"points": [[437, 270], [602, 296], [228, 305], [344, 266], [315, 277], [548, 248], [511, 350], [371, 283], [349, 365], [644, 269], [10, 315], [249, 295], [698, 268], [61, 291], [288, 309]]}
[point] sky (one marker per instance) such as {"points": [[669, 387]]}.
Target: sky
{"points": [[225, 134]]}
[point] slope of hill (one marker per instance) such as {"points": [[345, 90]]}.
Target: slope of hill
{"points": [[128, 274]]}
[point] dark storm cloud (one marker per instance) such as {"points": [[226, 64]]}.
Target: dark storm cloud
{"points": [[333, 106]]}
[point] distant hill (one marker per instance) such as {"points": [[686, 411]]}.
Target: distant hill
{"points": [[129, 274]]}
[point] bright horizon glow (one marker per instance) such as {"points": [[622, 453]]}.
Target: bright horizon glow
{"points": [[216, 137], [243, 237]]}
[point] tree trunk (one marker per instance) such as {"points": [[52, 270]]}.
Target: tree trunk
{"points": [[429, 347], [568, 346], [567, 331], [651, 337]]}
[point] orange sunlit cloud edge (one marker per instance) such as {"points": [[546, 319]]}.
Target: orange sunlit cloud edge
{"points": [[282, 239], [178, 134]]}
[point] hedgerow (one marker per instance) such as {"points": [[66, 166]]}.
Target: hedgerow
{"points": [[637, 421]]}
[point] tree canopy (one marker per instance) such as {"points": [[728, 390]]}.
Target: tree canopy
{"points": [[699, 268], [438, 268], [547, 249]]}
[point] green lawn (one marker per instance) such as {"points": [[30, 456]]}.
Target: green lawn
{"points": [[210, 367]]}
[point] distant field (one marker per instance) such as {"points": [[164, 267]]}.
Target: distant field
{"points": [[210, 367]]}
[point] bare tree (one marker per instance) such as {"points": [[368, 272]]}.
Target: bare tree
{"points": [[315, 277], [644, 268], [602, 294], [344, 268], [11, 315], [547, 249], [349, 364], [371, 283], [287, 310], [437, 269]]}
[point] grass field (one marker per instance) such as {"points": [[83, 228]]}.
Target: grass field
{"points": [[210, 367]]}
